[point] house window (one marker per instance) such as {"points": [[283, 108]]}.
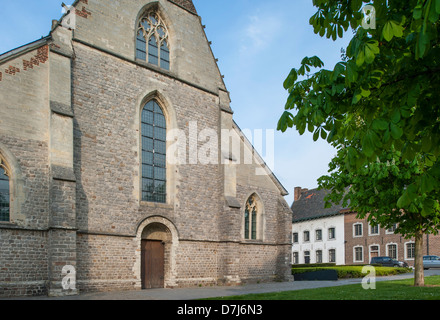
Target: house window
{"points": [[331, 233], [295, 257], [392, 251], [251, 213], [318, 235], [392, 229], [4, 194], [153, 153], [357, 230], [332, 255], [374, 230], [295, 237], [410, 250], [152, 43], [306, 236], [318, 256], [306, 257], [358, 254]]}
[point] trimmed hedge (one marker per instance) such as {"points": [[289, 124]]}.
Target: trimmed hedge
{"points": [[345, 272]]}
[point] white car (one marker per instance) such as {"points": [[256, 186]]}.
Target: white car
{"points": [[431, 262]]}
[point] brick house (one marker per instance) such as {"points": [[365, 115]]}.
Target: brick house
{"points": [[363, 242], [105, 178], [357, 239]]}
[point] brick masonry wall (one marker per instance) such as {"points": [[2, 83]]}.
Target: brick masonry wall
{"points": [[381, 240], [105, 263], [24, 268]]}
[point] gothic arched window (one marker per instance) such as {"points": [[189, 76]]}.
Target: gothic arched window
{"points": [[251, 217], [152, 41], [153, 153], [4, 193]]}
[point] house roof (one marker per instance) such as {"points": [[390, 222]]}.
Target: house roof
{"points": [[311, 205]]}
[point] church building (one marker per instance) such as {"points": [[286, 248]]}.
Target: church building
{"points": [[121, 167]]}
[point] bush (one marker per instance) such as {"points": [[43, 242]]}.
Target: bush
{"points": [[345, 272], [315, 265]]}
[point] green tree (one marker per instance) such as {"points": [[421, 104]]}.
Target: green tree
{"points": [[379, 107]]}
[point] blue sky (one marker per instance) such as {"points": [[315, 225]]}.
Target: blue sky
{"points": [[257, 43]]}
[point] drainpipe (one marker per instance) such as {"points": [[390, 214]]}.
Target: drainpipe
{"points": [[427, 244]]}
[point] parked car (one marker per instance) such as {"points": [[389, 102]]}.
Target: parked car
{"points": [[388, 262], [431, 262]]}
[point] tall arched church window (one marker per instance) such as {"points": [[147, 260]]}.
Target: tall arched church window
{"points": [[152, 43], [251, 218], [4, 193], [153, 153]]}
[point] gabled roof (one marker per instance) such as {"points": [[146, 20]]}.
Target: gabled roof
{"points": [[311, 205], [185, 4], [261, 161]]}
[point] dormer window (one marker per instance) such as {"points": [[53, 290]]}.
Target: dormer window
{"points": [[152, 43]]}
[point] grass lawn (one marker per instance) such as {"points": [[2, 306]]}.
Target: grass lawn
{"points": [[385, 290]]}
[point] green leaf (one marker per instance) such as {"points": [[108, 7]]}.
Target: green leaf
{"points": [[392, 29], [433, 14], [369, 142], [418, 12], [360, 59], [357, 97], [395, 117], [428, 183], [316, 135], [290, 81], [371, 50], [423, 43], [285, 121], [396, 131], [437, 6], [380, 124], [404, 201]]}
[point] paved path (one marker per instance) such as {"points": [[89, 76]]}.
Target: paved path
{"points": [[215, 291]]}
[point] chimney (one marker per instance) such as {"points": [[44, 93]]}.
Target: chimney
{"points": [[297, 194], [298, 191]]}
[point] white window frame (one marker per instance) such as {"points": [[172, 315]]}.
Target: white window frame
{"points": [[370, 230], [354, 253], [354, 229], [334, 233], [388, 251], [406, 250]]}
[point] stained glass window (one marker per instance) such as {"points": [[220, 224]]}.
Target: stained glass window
{"points": [[152, 31], [4, 195], [251, 219], [153, 153]]}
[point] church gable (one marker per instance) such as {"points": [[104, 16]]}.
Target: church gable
{"points": [[115, 27]]}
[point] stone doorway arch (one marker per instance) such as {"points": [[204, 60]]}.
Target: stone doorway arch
{"points": [[157, 241]]}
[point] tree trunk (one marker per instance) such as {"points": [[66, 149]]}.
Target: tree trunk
{"points": [[419, 276]]}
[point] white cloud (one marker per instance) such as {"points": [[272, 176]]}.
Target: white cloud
{"points": [[259, 33]]}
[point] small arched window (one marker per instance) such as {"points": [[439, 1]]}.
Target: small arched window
{"points": [[153, 153], [4, 193], [152, 43], [251, 215]]}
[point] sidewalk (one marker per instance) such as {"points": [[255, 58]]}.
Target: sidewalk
{"points": [[182, 294]]}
